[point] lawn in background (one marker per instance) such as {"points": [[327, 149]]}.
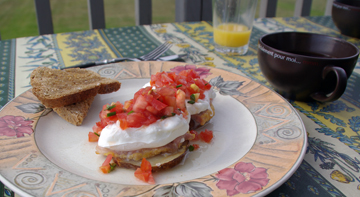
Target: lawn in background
{"points": [[18, 19]]}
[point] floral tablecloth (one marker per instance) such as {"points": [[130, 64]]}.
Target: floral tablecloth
{"points": [[331, 164]]}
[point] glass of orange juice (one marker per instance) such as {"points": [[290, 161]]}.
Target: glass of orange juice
{"points": [[232, 24]]}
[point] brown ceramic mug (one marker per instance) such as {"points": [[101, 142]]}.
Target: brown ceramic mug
{"points": [[307, 66]]}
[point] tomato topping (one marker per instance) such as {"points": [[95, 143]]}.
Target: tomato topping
{"points": [[145, 165], [195, 134], [93, 137], [107, 167], [196, 146], [143, 176], [144, 172], [187, 80], [158, 105], [97, 128], [150, 104], [206, 136]]}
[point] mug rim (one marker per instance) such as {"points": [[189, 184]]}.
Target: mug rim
{"points": [[307, 33], [355, 8]]}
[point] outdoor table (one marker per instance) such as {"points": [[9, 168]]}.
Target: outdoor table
{"points": [[331, 163]]}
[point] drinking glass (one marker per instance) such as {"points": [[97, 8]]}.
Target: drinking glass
{"points": [[232, 23]]}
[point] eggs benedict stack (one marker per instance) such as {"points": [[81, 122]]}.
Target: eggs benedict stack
{"points": [[155, 123]]}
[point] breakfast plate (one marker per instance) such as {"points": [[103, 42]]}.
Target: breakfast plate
{"points": [[259, 141]]}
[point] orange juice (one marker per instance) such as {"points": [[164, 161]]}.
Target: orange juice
{"points": [[231, 35]]}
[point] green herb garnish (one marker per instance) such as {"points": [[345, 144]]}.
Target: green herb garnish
{"points": [[112, 166], [110, 114], [192, 97], [109, 107], [130, 112], [191, 148], [178, 86], [191, 102], [97, 134], [165, 116]]}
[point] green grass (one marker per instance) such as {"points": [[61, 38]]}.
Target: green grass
{"points": [[18, 19]]}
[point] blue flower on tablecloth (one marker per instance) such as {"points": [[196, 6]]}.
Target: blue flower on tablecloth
{"points": [[40, 52], [90, 55], [81, 44], [80, 34], [272, 25], [294, 21], [324, 110], [329, 157], [313, 189], [354, 123]]}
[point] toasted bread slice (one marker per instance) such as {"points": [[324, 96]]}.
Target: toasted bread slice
{"points": [[58, 88], [75, 113]]}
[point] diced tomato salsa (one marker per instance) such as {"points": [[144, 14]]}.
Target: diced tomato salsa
{"points": [[205, 136], [107, 167], [188, 81], [150, 105], [144, 172]]}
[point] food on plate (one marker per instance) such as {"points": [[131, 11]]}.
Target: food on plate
{"points": [[75, 113], [199, 94], [154, 124], [144, 173], [58, 88], [205, 136], [70, 92]]}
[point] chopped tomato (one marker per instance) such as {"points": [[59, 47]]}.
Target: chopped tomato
{"points": [[144, 172], [166, 91], [145, 165], [135, 119], [206, 136], [107, 167], [170, 100], [158, 105], [143, 176], [140, 103], [168, 111], [150, 104], [97, 128], [151, 179], [152, 109], [107, 160], [196, 146], [123, 124], [93, 137], [180, 100], [196, 135]]}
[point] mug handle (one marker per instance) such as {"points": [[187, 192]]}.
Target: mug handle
{"points": [[340, 87]]}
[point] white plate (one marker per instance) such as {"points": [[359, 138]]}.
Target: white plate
{"points": [[255, 131]]}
